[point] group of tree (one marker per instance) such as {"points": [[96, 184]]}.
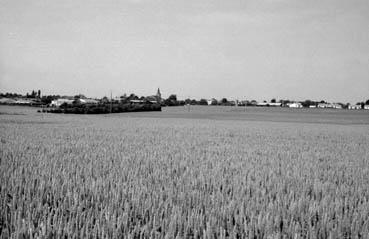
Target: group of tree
{"points": [[173, 101], [33, 95], [10, 95]]}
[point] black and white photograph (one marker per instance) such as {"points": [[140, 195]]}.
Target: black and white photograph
{"points": [[164, 119]]}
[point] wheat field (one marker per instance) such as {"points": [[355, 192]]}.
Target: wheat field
{"points": [[134, 176]]}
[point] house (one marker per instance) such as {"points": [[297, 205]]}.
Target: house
{"points": [[295, 105], [336, 106], [254, 103], [88, 101], [270, 104], [212, 102], [354, 107], [232, 103], [23, 102], [59, 102], [137, 101], [241, 102], [366, 107], [153, 99], [276, 104], [262, 104], [323, 105]]}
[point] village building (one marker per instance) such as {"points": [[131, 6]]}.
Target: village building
{"points": [[213, 101], [323, 105], [270, 104], [262, 104], [25, 101], [275, 104], [59, 102], [336, 106], [295, 105], [88, 101], [354, 107]]}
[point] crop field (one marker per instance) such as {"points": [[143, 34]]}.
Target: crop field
{"points": [[210, 172]]}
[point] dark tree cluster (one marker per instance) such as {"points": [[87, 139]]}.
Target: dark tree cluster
{"points": [[172, 101], [103, 108], [10, 95], [34, 94]]}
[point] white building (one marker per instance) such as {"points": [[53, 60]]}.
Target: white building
{"points": [[23, 101], [212, 101], [323, 105], [337, 106], [366, 107], [59, 102], [295, 105], [270, 104], [354, 107], [88, 101], [276, 104], [262, 104]]}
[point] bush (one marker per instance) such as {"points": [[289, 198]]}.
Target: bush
{"points": [[105, 108]]}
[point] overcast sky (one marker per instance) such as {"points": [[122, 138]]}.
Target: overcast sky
{"points": [[245, 49]]}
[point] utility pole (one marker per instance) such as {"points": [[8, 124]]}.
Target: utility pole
{"points": [[111, 101], [189, 104]]}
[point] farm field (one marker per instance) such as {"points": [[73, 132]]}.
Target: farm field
{"points": [[211, 172]]}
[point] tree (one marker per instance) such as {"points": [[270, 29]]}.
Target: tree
{"points": [[172, 97], [362, 105], [307, 103], [203, 102], [171, 101], [105, 99], [273, 101], [132, 97], [64, 105], [39, 94], [188, 101], [46, 99], [367, 102], [224, 101]]}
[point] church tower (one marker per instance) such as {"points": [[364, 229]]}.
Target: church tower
{"points": [[158, 96]]}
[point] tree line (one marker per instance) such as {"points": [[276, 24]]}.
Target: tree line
{"points": [[172, 100]]}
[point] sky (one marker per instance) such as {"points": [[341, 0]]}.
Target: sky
{"points": [[238, 49]]}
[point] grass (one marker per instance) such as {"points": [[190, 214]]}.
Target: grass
{"points": [[184, 175]]}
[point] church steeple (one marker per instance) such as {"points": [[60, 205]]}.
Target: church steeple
{"points": [[158, 96]]}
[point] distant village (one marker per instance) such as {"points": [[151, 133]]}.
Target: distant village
{"points": [[35, 98]]}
